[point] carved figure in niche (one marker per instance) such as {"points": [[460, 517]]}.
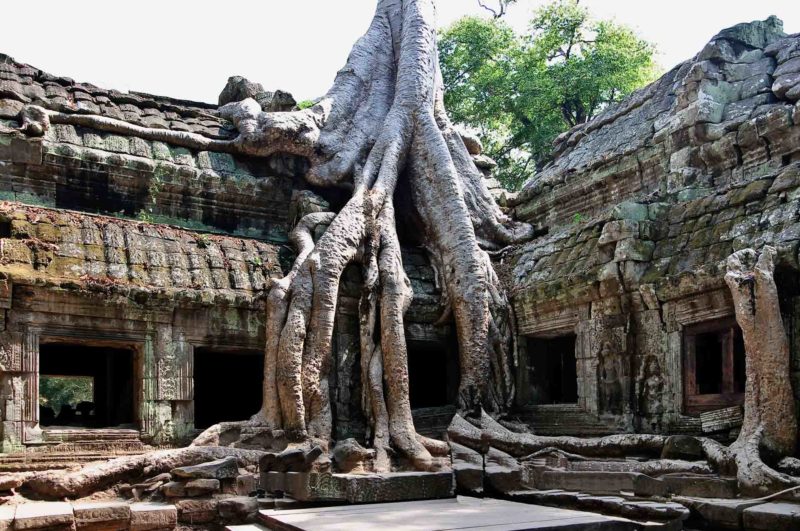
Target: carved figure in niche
{"points": [[609, 375], [651, 390]]}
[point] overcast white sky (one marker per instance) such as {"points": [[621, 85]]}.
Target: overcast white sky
{"points": [[187, 49]]}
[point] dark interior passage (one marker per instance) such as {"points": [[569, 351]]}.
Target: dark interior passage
{"points": [[433, 373], [553, 370], [103, 374], [227, 385]]}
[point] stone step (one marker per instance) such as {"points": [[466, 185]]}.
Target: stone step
{"points": [[309, 487], [640, 510], [742, 514]]}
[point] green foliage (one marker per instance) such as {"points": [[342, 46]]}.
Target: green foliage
{"points": [[55, 391], [519, 92], [305, 104]]}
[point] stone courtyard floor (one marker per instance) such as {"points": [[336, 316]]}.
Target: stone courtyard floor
{"points": [[454, 513]]}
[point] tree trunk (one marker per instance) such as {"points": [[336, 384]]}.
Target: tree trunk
{"points": [[770, 424], [382, 122]]}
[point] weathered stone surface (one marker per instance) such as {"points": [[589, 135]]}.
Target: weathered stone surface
{"points": [[468, 469], [724, 514], [238, 509], [226, 468], [682, 447], [502, 472], [773, 516], [153, 517], [174, 489], [239, 88], [202, 487], [369, 488], [44, 515], [7, 517], [197, 511], [350, 456], [246, 483], [472, 142], [101, 516]]}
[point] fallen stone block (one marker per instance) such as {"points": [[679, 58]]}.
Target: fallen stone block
{"points": [[273, 481], [44, 515], [219, 469], [246, 483], [101, 516], [201, 487], [174, 489], [774, 516], [238, 509], [502, 472], [716, 513], [153, 516], [594, 482], [197, 511], [468, 469]]}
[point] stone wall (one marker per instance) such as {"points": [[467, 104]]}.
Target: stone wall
{"points": [[643, 204]]}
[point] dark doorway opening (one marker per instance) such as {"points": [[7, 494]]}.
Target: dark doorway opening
{"points": [[553, 370], [433, 373], [714, 366], [227, 385], [86, 386]]}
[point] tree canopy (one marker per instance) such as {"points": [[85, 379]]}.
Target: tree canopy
{"points": [[521, 91]]}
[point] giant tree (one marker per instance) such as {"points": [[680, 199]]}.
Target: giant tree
{"points": [[382, 127]]}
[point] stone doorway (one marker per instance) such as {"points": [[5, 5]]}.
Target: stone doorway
{"points": [[227, 385], [84, 386], [433, 373]]}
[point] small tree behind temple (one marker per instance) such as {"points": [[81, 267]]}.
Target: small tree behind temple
{"points": [[521, 91]]}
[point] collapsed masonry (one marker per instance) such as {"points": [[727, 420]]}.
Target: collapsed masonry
{"points": [[143, 264]]}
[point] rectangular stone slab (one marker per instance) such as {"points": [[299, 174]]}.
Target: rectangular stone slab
{"points": [[101, 516], [7, 517], [44, 515], [152, 516], [457, 513], [775, 516], [368, 488]]}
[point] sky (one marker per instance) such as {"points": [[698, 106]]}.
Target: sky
{"points": [[188, 49]]}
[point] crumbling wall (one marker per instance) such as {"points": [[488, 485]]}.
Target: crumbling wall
{"points": [[642, 206]]}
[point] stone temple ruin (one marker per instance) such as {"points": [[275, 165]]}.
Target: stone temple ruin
{"points": [[143, 265]]}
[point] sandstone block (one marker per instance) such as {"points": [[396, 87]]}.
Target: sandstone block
{"points": [[44, 515], [7, 517], [246, 483], [201, 487], [102, 516], [503, 472], [174, 489], [153, 516], [219, 469], [197, 511], [468, 468], [775, 516], [238, 509], [682, 447]]}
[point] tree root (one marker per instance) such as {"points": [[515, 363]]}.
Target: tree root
{"points": [[103, 474]]}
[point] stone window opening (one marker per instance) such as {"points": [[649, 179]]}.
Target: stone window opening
{"points": [[552, 370], [86, 387], [713, 366], [5, 228], [227, 384]]}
